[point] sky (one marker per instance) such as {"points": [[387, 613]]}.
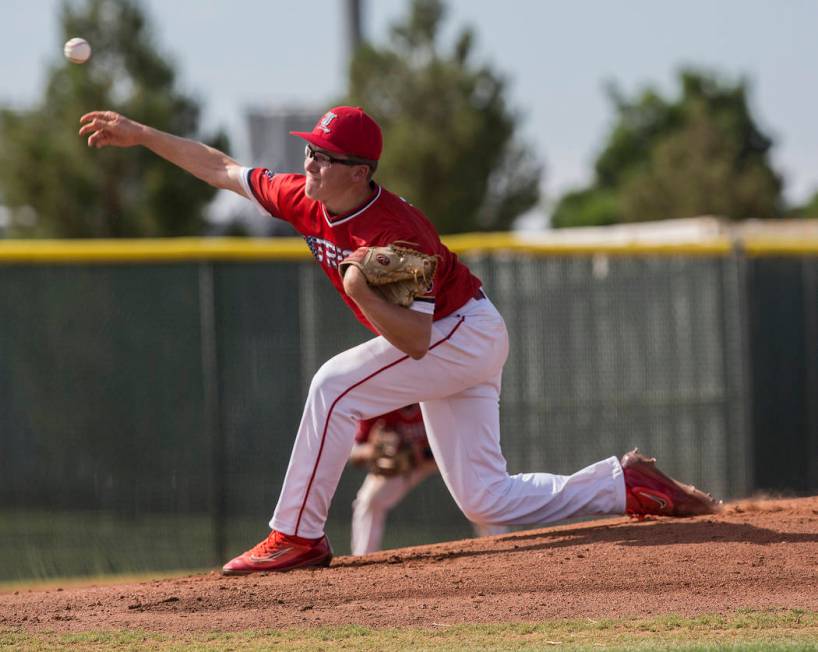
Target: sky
{"points": [[556, 55]]}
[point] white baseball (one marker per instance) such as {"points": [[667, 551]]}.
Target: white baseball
{"points": [[77, 50]]}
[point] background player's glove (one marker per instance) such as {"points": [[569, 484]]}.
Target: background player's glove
{"points": [[398, 273], [391, 454]]}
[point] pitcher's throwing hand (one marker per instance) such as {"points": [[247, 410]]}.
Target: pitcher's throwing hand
{"points": [[106, 128]]}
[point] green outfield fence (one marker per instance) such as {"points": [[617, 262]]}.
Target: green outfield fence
{"points": [[150, 390]]}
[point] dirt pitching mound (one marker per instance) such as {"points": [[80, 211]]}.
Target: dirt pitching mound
{"points": [[759, 554]]}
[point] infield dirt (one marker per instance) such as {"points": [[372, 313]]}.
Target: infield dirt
{"points": [[758, 555]]}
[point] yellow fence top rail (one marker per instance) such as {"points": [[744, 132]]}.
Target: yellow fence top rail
{"points": [[781, 247], [151, 250], [257, 249], [541, 245]]}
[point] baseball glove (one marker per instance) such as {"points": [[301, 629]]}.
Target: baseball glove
{"points": [[396, 272], [391, 454]]}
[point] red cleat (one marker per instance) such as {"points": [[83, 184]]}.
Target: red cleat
{"points": [[281, 552], [649, 491]]}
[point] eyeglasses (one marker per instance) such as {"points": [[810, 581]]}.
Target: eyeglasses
{"points": [[324, 160]]}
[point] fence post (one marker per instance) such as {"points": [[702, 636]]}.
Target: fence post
{"points": [[741, 452], [214, 432], [810, 277]]}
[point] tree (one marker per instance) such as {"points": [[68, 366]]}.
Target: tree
{"points": [[449, 133], [55, 186], [808, 210], [700, 154], [589, 207]]}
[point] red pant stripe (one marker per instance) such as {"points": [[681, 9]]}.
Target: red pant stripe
{"points": [[340, 396]]}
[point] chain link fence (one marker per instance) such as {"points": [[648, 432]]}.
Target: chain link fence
{"points": [[148, 407]]}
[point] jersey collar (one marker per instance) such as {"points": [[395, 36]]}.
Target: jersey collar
{"points": [[335, 220]]}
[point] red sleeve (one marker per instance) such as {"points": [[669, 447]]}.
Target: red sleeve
{"points": [[277, 194], [362, 432], [415, 416]]}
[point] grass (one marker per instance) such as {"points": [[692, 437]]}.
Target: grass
{"points": [[744, 630], [81, 581], [37, 545]]}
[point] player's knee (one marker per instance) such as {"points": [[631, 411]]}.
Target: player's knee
{"points": [[328, 380], [474, 514], [379, 504], [479, 510], [371, 501]]}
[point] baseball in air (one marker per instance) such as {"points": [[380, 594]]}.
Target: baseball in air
{"points": [[77, 50]]}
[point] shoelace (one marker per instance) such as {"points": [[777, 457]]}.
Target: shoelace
{"points": [[267, 546]]}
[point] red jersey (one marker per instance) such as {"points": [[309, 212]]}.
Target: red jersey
{"points": [[382, 219], [406, 421]]}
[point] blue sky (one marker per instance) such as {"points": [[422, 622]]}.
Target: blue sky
{"points": [[232, 54]]}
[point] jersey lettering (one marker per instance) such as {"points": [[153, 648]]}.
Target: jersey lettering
{"points": [[326, 253]]}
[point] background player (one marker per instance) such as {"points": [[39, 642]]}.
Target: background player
{"points": [[446, 351], [395, 450]]}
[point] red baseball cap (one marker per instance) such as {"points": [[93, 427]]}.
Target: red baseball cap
{"points": [[346, 130]]}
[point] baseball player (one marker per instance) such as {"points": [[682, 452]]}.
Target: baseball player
{"points": [[446, 350], [395, 449]]}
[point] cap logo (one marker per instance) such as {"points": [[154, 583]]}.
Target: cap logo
{"points": [[326, 120]]}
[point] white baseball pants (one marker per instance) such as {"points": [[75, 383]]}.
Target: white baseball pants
{"points": [[457, 384], [376, 498]]}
